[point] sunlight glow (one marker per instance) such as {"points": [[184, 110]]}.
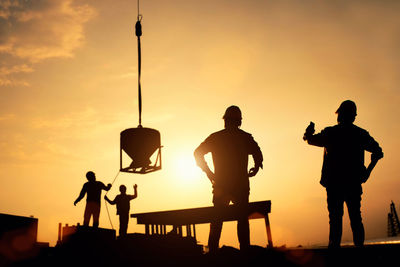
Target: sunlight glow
{"points": [[186, 169]]}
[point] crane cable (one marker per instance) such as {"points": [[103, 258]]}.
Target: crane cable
{"points": [[105, 201], [138, 31]]}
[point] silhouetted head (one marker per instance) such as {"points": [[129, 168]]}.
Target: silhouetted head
{"points": [[122, 189], [91, 176], [347, 112], [232, 117]]}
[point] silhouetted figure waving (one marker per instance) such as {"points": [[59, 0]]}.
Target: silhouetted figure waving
{"points": [[92, 189], [123, 206], [343, 169], [230, 149]]}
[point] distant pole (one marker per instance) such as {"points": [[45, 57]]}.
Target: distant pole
{"points": [[59, 234], [396, 222]]}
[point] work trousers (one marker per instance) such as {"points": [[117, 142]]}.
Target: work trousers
{"points": [[336, 199], [92, 209], [221, 200], [123, 223]]}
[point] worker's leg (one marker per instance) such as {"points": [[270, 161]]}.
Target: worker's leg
{"points": [[87, 214], [219, 201], [96, 214], [123, 224], [215, 234], [354, 208], [335, 207], [243, 228]]}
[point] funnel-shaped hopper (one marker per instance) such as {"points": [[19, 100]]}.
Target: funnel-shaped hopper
{"points": [[140, 144]]}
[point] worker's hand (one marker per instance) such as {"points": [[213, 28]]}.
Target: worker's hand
{"points": [[365, 175], [109, 185], [75, 202], [135, 186], [105, 197], [310, 130], [211, 176], [253, 171], [376, 156]]}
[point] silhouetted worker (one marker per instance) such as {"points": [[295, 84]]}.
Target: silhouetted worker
{"points": [[123, 205], [343, 169], [230, 149], [93, 190]]}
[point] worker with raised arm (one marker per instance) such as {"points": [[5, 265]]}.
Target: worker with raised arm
{"points": [[343, 170], [123, 206], [230, 149]]}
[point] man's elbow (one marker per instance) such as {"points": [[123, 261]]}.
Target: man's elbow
{"points": [[196, 154], [198, 157], [377, 156]]}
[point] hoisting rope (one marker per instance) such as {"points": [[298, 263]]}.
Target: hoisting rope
{"points": [[105, 201], [138, 31]]}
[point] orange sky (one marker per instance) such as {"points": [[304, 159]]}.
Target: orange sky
{"points": [[68, 85]]}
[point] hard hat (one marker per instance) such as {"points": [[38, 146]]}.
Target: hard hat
{"points": [[347, 107], [233, 112]]}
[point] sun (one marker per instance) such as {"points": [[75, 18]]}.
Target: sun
{"points": [[185, 168]]}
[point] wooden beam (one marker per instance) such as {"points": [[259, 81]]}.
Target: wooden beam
{"points": [[254, 210]]}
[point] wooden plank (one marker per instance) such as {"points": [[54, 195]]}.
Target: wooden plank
{"points": [[254, 210]]}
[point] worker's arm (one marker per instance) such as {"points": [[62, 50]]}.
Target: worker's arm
{"points": [[135, 194], [314, 139], [109, 201], [376, 154], [257, 157], [81, 195], [201, 162]]}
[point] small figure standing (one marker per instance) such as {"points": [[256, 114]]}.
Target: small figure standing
{"points": [[123, 205], [343, 170], [93, 190], [230, 149]]}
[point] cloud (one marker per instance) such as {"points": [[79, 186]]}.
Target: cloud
{"points": [[15, 69], [12, 82], [37, 30], [6, 73], [32, 31]]}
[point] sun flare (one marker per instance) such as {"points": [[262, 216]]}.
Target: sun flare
{"points": [[186, 169]]}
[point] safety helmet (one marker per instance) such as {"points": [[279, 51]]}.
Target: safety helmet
{"points": [[347, 107], [233, 113]]}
